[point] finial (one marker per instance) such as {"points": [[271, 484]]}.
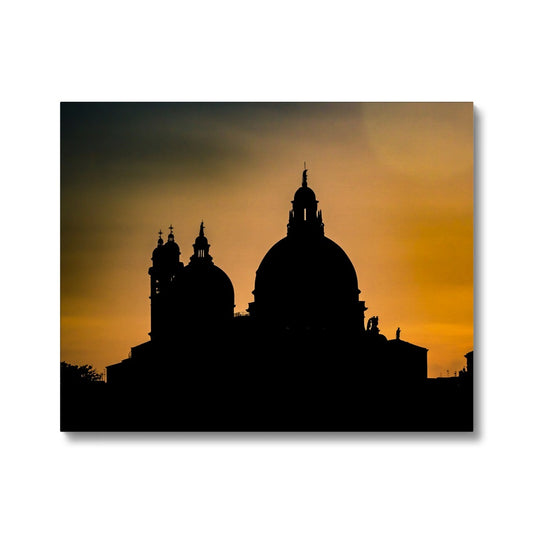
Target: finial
{"points": [[171, 227], [160, 233], [202, 229], [304, 176]]}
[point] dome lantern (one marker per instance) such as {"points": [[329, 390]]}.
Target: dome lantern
{"points": [[201, 247], [304, 217]]}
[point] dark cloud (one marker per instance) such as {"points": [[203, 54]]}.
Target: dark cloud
{"points": [[116, 145], [105, 141]]}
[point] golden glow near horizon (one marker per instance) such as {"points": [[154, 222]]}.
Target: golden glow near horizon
{"points": [[394, 182]]}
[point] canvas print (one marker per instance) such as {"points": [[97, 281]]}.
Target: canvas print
{"points": [[265, 266]]}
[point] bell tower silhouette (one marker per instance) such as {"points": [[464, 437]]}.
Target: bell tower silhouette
{"points": [[163, 273]]}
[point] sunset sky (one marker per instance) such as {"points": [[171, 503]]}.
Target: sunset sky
{"points": [[394, 182]]}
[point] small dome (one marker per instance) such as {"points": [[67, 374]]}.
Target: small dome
{"points": [[304, 195], [208, 292], [201, 241], [170, 252], [171, 244], [160, 243], [157, 251]]}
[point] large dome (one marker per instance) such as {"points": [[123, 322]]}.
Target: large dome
{"points": [[305, 279], [309, 282]]}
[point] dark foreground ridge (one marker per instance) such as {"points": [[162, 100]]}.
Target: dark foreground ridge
{"points": [[334, 391]]}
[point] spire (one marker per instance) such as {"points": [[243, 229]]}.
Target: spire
{"points": [[160, 240], [304, 176], [171, 234], [202, 229]]}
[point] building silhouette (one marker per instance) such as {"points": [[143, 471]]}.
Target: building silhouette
{"points": [[301, 359], [182, 296], [306, 280]]}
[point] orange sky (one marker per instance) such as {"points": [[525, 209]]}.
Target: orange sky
{"points": [[394, 181]]}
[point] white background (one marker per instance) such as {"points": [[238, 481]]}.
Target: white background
{"points": [[376, 51]]}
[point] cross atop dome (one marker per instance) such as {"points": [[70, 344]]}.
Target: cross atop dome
{"points": [[171, 237]]}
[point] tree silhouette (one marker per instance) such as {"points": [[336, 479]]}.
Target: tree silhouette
{"points": [[77, 375]]}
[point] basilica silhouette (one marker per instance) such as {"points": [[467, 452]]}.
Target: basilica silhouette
{"points": [[301, 359]]}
